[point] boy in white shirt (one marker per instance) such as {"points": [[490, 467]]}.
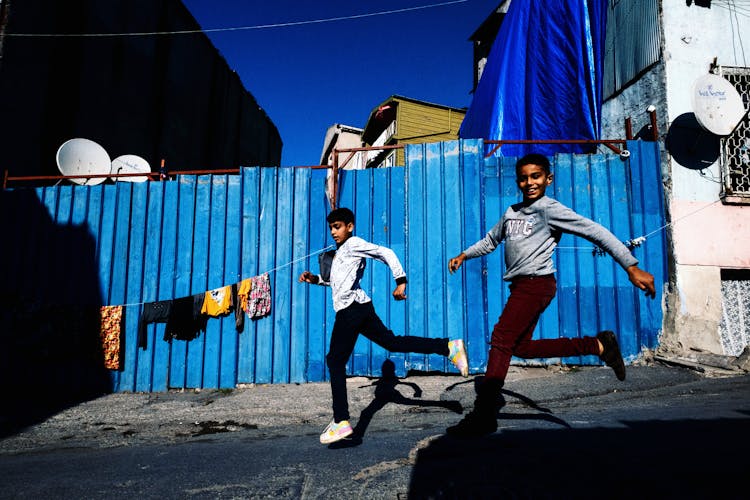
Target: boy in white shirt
{"points": [[355, 314]]}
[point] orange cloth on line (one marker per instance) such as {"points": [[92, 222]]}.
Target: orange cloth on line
{"points": [[243, 293], [111, 324], [218, 301]]}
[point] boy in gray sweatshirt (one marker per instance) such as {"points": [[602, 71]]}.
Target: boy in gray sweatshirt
{"points": [[531, 230]]}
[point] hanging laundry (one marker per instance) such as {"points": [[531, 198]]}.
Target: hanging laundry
{"points": [[198, 300], [259, 303], [185, 319], [239, 315], [218, 301], [243, 296], [109, 333], [153, 312], [243, 293]]}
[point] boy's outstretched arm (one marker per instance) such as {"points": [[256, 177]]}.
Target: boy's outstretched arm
{"points": [[400, 292], [309, 277], [642, 279], [456, 262]]}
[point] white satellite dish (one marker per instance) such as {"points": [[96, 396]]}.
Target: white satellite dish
{"points": [[130, 164], [83, 157], [717, 104]]}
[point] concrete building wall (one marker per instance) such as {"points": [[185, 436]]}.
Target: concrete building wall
{"points": [[166, 96], [343, 137], [706, 236]]}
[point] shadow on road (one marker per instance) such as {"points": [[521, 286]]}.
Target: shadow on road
{"points": [[385, 392], [541, 413], [51, 354], [643, 459]]}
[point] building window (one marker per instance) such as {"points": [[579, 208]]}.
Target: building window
{"points": [[390, 160], [734, 329], [735, 148]]}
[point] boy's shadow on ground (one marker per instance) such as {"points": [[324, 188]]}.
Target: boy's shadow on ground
{"points": [[385, 392], [540, 414]]}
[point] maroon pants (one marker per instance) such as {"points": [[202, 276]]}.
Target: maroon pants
{"points": [[511, 336]]}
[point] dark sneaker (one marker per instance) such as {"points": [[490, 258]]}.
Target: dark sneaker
{"points": [[475, 424], [611, 353]]}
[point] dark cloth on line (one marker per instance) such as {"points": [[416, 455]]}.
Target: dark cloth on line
{"points": [[153, 312], [183, 322]]}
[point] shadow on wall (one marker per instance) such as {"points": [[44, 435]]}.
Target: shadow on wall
{"points": [[644, 459], [50, 349]]}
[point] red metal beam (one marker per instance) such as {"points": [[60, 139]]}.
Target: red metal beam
{"points": [[610, 143]]}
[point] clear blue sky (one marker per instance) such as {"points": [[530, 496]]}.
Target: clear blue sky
{"points": [[310, 76]]}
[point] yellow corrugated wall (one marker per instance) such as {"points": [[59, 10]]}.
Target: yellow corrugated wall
{"points": [[419, 123]]}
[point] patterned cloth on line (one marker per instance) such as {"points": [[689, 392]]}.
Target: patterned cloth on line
{"points": [[259, 302], [111, 325]]}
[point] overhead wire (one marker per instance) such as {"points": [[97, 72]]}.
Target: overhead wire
{"points": [[242, 28], [739, 35]]}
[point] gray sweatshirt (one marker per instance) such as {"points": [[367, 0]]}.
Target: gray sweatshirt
{"points": [[348, 266], [531, 234]]}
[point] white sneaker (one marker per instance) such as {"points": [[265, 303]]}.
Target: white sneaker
{"points": [[336, 431], [457, 355]]}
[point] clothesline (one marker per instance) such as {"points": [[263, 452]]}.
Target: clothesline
{"points": [[636, 242], [632, 243], [266, 272]]}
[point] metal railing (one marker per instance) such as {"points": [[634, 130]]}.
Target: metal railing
{"points": [[615, 145]]}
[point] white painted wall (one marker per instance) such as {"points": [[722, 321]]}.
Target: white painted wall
{"points": [[703, 240], [694, 37]]}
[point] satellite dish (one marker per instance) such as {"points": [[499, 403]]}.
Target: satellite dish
{"points": [[717, 104], [130, 164], [690, 144], [83, 157]]}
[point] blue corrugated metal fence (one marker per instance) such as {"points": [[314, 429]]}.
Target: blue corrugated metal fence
{"points": [[132, 243]]}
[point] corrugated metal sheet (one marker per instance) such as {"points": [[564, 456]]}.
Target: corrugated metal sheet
{"points": [[133, 243], [633, 42]]}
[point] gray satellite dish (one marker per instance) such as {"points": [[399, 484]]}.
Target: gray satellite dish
{"points": [[717, 104], [83, 157], [130, 164]]}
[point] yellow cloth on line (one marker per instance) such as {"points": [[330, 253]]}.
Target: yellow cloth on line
{"points": [[218, 301]]}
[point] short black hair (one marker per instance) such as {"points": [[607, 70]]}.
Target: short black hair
{"points": [[341, 215], [534, 159]]}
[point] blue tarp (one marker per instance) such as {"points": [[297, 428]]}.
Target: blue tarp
{"points": [[543, 77]]}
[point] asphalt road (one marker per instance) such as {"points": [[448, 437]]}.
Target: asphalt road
{"points": [[663, 433]]}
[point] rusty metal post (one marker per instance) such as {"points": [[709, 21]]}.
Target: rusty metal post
{"points": [[335, 174], [5, 179], [654, 129], [629, 128]]}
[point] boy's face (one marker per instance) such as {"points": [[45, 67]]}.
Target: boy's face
{"points": [[532, 180], [341, 231]]}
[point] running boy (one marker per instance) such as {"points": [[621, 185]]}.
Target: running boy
{"points": [[531, 230], [355, 314]]}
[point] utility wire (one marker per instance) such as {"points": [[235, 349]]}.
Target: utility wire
{"points": [[241, 28], [636, 242]]}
